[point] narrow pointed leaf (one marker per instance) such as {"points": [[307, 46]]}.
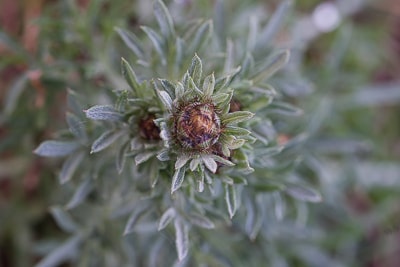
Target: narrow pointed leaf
{"points": [[177, 179], [80, 194], [201, 221], [237, 131], [169, 87], [230, 199], [105, 140], [165, 99], [303, 193], [210, 163], [56, 148], [103, 112], [166, 218], [196, 70], [63, 220], [181, 161], [236, 117], [181, 238], [273, 66], [121, 158], [222, 160], [69, 166], [142, 157], [208, 85], [130, 76], [139, 211], [131, 41], [157, 42], [201, 36], [77, 126], [164, 19]]}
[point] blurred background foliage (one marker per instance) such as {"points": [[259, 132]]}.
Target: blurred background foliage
{"points": [[350, 97]]}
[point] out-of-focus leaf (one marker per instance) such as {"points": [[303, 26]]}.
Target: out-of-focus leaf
{"points": [[303, 193], [157, 42], [231, 199], [181, 238], [137, 213], [166, 218], [103, 112], [177, 179], [132, 42], [201, 221], [273, 65], [77, 127], [80, 194], [54, 148], [105, 140], [164, 19], [70, 165], [64, 220]]}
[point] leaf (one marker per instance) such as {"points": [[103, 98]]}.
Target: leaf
{"points": [[208, 85], [303, 193], [105, 140], [56, 148], [201, 221], [164, 19], [224, 81], [210, 163], [157, 42], [230, 199], [269, 151], [63, 220], [163, 155], [80, 194], [103, 112], [275, 64], [121, 158], [181, 161], [138, 212], [166, 218], [144, 156], [130, 76], [181, 238], [65, 252], [168, 87], [76, 127], [236, 117], [131, 41], [237, 131], [13, 93], [282, 108], [177, 179], [202, 35], [196, 70], [222, 160], [69, 166], [270, 186], [165, 99]]}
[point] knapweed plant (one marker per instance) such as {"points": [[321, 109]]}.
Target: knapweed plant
{"points": [[186, 147]]}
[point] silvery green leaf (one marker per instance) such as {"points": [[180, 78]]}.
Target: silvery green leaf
{"points": [[13, 94], [269, 186], [208, 85], [236, 117], [157, 42], [165, 99], [144, 156], [65, 252], [181, 161], [239, 180], [121, 158], [137, 213], [227, 180], [303, 193], [130, 76], [70, 165], [63, 220], [163, 155], [80, 194], [131, 41], [230, 199], [103, 112], [105, 140], [166, 218], [237, 131], [168, 87], [210, 163], [76, 126], [202, 35], [179, 90], [284, 109], [222, 160], [220, 98], [194, 163], [273, 65], [196, 70], [274, 24], [154, 172], [199, 180], [280, 207], [56, 148], [201, 221], [181, 238], [179, 48], [164, 19], [269, 151], [177, 179], [223, 82]]}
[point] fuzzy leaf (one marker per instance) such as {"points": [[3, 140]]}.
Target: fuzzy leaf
{"points": [[121, 158], [286, 109], [275, 64], [270, 186], [105, 140], [65, 252], [131, 41], [139, 211], [157, 42], [202, 35], [194, 163], [208, 85], [165, 99], [210, 163], [237, 131], [181, 238], [130, 76], [177, 179], [201, 221], [196, 70], [163, 155], [230, 199], [164, 19], [70, 165], [63, 220], [168, 87], [56, 148], [181, 161], [221, 97], [76, 127], [80, 194], [166, 218], [223, 82], [103, 112], [222, 160], [303, 193], [236, 117], [142, 157]]}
